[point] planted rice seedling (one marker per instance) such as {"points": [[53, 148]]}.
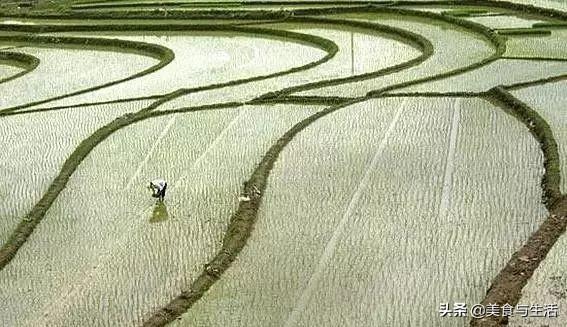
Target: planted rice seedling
{"points": [[8, 71], [189, 6], [500, 72], [113, 230], [49, 139], [551, 46], [97, 22], [502, 21], [203, 59], [69, 70], [328, 163], [401, 186], [551, 4], [464, 12], [547, 286], [440, 7], [361, 50], [342, 66], [550, 25], [453, 49]]}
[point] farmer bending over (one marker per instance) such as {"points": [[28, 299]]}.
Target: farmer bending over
{"points": [[158, 187]]}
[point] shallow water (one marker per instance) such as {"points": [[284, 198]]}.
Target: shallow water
{"points": [[7, 71], [454, 48], [17, 22], [361, 51], [36, 146], [496, 22], [394, 210], [549, 101], [128, 265], [548, 284], [63, 71], [202, 59], [548, 46], [500, 72], [552, 4]]}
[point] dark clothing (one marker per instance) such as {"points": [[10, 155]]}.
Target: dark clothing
{"points": [[161, 194]]}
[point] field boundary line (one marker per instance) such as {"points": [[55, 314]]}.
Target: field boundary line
{"points": [[164, 132], [331, 245], [450, 160], [433, 94], [423, 45], [240, 227], [162, 54], [212, 144], [328, 46], [232, 14], [305, 100], [30, 221], [506, 287], [17, 59], [532, 58], [105, 256], [488, 35], [79, 105], [542, 133], [537, 82]]}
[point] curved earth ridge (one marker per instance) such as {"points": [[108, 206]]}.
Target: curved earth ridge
{"points": [[239, 230], [165, 55], [21, 60], [28, 224]]}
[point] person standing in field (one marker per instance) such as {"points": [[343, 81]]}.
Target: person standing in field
{"points": [[158, 187]]}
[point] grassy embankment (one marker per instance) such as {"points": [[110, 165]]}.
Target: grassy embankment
{"points": [[508, 284], [21, 60], [163, 54], [243, 219], [26, 227]]}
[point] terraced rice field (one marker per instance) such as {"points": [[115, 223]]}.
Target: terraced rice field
{"points": [[503, 22], [456, 48], [551, 46], [372, 223], [58, 64], [204, 60], [500, 72], [36, 162], [328, 163]]}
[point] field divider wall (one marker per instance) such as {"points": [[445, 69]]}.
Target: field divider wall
{"points": [[28, 224], [506, 287], [240, 227], [311, 40], [26, 227], [21, 60], [497, 41], [415, 40], [163, 54]]}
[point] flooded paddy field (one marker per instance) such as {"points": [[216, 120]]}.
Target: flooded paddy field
{"points": [[352, 255], [327, 163]]}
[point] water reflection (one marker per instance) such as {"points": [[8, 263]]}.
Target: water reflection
{"points": [[16, 22], [159, 213]]}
